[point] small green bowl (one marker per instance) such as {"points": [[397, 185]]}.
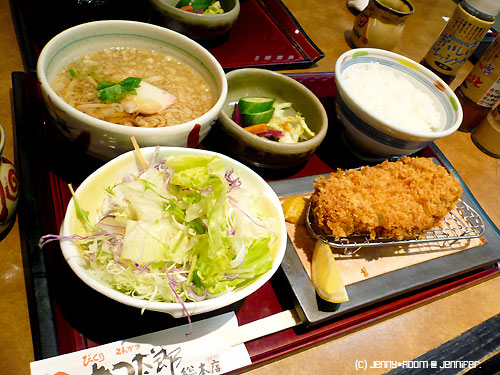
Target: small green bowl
{"points": [[259, 151]]}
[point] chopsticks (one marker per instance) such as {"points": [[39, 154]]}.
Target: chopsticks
{"points": [[139, 153], [262, 327]]}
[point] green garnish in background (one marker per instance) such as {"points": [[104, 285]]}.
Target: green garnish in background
{"points": [[113, 92]]}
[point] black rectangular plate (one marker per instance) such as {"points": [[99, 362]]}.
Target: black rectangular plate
{"points": [[389, 285]]}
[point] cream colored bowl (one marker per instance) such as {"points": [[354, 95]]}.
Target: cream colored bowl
{"points": [[105, 140]]}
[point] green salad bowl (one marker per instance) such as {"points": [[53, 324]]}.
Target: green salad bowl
{"points": [[91, 193]]}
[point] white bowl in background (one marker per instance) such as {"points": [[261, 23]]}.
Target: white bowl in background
{"points": [[107, 140]]}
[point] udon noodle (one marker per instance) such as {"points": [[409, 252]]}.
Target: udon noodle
{"points": [[77, 85]]}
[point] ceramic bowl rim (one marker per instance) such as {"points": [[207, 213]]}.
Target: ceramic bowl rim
{"points": [[401, 130], [74, 257], [278, 147], [46, 54]]}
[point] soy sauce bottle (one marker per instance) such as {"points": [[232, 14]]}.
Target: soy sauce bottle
{"points": [[480, 91], [463, 32]]}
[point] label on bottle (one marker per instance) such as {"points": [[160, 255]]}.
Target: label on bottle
{"points": [[457, 41], [482, 85]]}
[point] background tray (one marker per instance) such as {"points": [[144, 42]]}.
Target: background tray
{"points": [[63, 309], [265, 34]]}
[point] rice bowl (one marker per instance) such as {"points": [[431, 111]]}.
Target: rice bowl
{"points": [[402, 101], [370, 134]]}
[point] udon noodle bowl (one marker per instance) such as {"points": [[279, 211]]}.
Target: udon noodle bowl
{"points": [[78, 81]]}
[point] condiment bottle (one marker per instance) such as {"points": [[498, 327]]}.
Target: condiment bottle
{"points": [[487, 135], [463, 32], [480, 91]]}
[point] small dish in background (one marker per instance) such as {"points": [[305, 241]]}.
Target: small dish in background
{"points": [[260, 151], [199, 27]]}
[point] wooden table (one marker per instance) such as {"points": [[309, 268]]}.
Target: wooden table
{"points": [[400, 338]]}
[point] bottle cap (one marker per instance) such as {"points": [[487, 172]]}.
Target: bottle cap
{"points": [[491, 7]]}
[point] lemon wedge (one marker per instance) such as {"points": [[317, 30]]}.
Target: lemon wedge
{"points": [[326, 276], [294, 209]]}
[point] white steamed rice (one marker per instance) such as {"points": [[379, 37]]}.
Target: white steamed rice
{"points": [[393, 97]]}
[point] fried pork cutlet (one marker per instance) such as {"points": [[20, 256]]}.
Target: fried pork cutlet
{"points": [[397, 200]]}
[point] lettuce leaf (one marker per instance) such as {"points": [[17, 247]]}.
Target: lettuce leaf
{"points": [[190, 232]]}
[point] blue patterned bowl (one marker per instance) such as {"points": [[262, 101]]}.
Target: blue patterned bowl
{"points": [[369, 133]]}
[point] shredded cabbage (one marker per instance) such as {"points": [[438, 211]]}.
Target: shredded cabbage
{"points": [[184, 229], [294, 127], [214, 8]]}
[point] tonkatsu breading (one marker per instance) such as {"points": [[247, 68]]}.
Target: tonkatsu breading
{"points": [[397, 200]]}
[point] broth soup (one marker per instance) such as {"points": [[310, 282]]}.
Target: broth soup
{"points": [[134, 87]]}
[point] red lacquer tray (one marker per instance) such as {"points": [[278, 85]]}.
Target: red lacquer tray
{"points": [[265, 34], [67, 315]]}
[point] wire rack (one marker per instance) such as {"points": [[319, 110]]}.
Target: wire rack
{"points": [[461, 223]]}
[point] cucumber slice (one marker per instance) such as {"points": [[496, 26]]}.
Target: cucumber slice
{"points": [[196, 4], [200, 4], [257, 118], [182, 3], [255, 104]]}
